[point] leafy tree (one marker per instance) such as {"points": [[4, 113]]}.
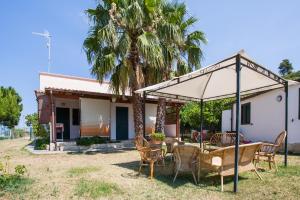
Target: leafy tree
{"points": [[33, 121], [293, 76], [10, 107], [212, 114], [285, 67], [125, 41]]}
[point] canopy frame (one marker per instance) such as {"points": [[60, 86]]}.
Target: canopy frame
{"points": [[239, 64]]}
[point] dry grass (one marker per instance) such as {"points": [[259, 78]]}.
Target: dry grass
{"points": [[113, 176]]}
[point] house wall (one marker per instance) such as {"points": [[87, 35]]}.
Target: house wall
{"points": [[268, 117], [48, 80], [70, 103], [226, 120], [95, 117], [99, 116]]}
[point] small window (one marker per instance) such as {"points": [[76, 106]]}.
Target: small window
{"points": [[75, 117], [246, 113]]}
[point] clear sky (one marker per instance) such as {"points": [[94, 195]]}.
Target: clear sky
{"points": [[268, 30]]}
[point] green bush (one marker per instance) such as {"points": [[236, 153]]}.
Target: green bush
{"points": [[41, 143], [20, 170], [14, 184], [158, 136], [87, 141]]}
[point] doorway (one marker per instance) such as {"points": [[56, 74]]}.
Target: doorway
{"points": [[121, 123]]}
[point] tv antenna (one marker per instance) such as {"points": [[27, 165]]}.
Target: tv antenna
{"points": [[46, 35]]}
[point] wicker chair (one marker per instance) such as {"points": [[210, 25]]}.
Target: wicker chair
{"points": [[148, 155], [171, 143], [268, 151], [225, 139], [222, 160], [186, 158]]}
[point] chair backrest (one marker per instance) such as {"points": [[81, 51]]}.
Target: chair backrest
{"points": [[225, 139], [185, 155], [246, 153], [280, 138], [140, 142]]}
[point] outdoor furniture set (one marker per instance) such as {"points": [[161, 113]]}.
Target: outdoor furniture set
{"points": [[216, 156]]}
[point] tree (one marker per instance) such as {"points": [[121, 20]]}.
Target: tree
{"points": [[295, 76], [184, 54], [10, 107], [212, 114], [33, 121], [124, 42], [285, 67]]}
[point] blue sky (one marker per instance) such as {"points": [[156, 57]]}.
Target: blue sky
{"points": [[268, 30]]}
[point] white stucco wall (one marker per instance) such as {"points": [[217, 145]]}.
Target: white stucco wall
{"points": [[58, 81], [268, 116], [94, 111], [70, 103], [151, 110], [226, 121]]}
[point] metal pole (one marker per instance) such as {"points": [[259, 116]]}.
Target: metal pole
{"points": [[286, 89], [237, 122], [144, 114], [201, 123]]}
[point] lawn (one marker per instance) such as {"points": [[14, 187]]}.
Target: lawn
{"points": [[114, 176]]}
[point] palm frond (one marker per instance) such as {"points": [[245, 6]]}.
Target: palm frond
{"points": [[149, 46]]}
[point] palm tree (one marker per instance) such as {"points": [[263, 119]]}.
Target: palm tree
{"points": [[186, 52], [285, 67], [123, 43]]}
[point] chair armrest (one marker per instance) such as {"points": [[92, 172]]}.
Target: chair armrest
{"points": [[268, 148]]}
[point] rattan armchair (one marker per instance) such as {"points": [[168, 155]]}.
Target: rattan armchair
{"points": [[268, 151], [148, 154], [186, 159], [225, 139], [222, 160]]}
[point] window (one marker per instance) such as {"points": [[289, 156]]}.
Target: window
{"points": [[246, 113], [75, 117]]}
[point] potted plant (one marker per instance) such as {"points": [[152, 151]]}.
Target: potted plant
{"points": [[157, 138]]}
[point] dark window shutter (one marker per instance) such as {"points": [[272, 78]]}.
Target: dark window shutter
{"points": [[246, 113], [75, 117]]}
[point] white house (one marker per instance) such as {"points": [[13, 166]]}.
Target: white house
{"points": [[84, 107], [263, 116]]}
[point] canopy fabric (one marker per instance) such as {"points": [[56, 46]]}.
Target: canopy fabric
{"points": [[217, 81]]}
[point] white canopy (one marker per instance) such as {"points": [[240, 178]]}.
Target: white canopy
{"points": [[217, 81]]}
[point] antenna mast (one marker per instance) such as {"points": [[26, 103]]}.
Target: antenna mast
{"points": [[46, 35]]}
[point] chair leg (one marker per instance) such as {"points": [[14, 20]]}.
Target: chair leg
{"points": [[140, 169], [195, 180], [269, 161], [275, 165], [175, 175], [222, 180], [198, 175], [256, 172], [151, 169]]}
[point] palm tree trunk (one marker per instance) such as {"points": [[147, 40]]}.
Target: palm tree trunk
{"points": [[161, 106], [160, 115], [137, 83]]}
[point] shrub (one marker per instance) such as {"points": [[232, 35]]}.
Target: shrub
{"points": [[158, 136], [41, 143], [20, 170], [87, 141]]}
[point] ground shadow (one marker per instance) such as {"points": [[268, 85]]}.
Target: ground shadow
{"points": [[100, 151], [165, 175]]}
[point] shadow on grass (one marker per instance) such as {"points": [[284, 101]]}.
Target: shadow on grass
{"points": [[100, 151], [165, 175]]}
